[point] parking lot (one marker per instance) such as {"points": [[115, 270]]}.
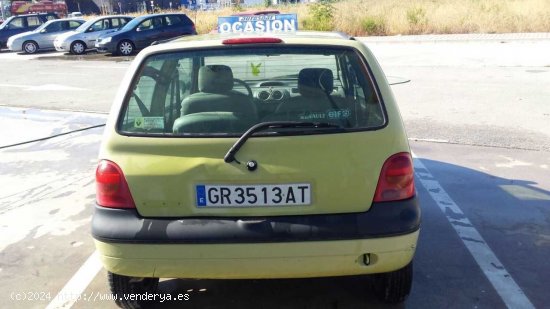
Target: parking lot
{"points": [[478, 119]]}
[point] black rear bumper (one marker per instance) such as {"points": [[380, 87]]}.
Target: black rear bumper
{"points": [[382, 220]]}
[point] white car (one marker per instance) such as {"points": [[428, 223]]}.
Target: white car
{"points": [[42, 38], [84, 37], [74, 15]]}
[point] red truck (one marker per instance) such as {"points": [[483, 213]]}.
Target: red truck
{"points": [[45, 6]]}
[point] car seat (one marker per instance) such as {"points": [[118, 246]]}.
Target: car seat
{"points": [[216, 107], [315, 86]]}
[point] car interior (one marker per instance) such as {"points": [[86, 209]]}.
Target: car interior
{"points": [[226, 96]]}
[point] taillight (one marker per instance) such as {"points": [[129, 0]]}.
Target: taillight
{"points": [[396, 180], [111, 186]]}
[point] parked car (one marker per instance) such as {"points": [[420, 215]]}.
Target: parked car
{"points": [[42, 38], [22, 23], [84, 37], [144, 30], [75, 15], [201, 176]]}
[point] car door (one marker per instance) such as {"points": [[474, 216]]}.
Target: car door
{"points": [[177, 25], [33, 22], [15, 26], [47, 35], [73, 24], [148, 31], [113, 24], [95, 31], [174, 26]]}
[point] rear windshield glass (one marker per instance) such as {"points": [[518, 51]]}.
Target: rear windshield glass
{"points": [[226, 91]]}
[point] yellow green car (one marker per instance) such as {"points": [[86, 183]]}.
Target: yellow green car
{"points": [[256, 156]]}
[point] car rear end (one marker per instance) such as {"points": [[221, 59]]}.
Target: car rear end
{"points": [[323, 186]]}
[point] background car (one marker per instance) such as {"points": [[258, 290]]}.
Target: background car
{"points": [[84, 37], [22, 23], [74, 15], [144, 30], [42, 38]]}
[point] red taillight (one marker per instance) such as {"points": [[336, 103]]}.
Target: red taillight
{"points": [[111, 186], [251, 41], [396, 180]]}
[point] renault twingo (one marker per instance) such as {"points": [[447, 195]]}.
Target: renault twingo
{"points": [[255, 156]]}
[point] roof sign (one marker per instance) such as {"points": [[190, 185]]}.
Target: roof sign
{"points": [[258, 23]]}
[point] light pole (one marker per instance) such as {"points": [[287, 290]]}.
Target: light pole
{"points": [[2, 9], [152, 6]]}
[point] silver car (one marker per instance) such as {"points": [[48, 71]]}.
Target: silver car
{"points": [[42, 37], [76, 42]]}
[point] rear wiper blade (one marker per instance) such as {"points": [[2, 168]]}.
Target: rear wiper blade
{"points": [[230, 155]]}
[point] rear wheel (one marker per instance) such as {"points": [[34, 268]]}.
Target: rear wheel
{"points": [[395, 286], [30, 47], [122, 287], [78, 48], [125, 48]]}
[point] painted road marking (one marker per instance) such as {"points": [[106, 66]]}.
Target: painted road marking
{"points": [[108, 67], [512, 295], [46, 87], [78, 283]]}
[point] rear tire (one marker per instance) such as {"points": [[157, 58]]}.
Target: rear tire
{"points": [[78, 48], [122, 286], [395, 286], [30, 47]]}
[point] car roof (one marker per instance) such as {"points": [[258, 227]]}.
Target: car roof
{"points": [[158, 14], [216, 40], [297, 35], [111, 16], [51, 21], [35, 14]]}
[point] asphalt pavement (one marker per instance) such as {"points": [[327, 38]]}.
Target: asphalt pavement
{"points": [[478, 119]]}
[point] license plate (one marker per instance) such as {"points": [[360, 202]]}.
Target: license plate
{"points": [[253, 195]]}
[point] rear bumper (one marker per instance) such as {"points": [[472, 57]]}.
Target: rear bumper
{"points": [[382, 220], [268, 247], [259, 260]]}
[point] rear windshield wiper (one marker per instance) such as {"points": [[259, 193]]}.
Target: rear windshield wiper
{"points": [[230, 155]]}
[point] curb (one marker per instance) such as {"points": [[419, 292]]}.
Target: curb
{"points": [[536, 36]]}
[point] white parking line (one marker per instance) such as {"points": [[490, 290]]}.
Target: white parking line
{"points": [[107, 67], [46, 87], [512, 295], [72, 291]]}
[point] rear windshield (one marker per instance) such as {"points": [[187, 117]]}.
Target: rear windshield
{"points": [[225, 91]]}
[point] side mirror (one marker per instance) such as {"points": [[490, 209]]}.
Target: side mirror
{"points": [[91, 29], [43, 31], [138, 29]]}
